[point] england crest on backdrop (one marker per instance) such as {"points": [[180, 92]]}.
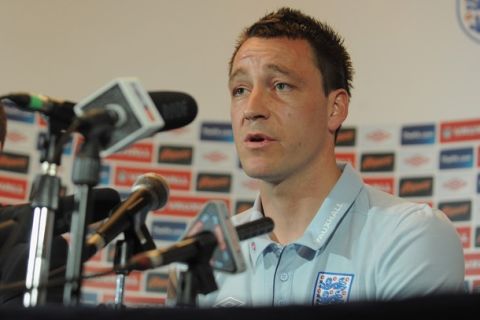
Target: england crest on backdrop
{"points": [[468, 12]]}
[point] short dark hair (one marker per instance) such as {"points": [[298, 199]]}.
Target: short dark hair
{"points": [[3, 125], [332, 58]]}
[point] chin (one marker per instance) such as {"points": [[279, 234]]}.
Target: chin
{"points": [[257, 169], [259, 173]]}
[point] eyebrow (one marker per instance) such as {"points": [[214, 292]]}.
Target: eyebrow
{"points": [[279, 69], [271, 67], [236, 73]]}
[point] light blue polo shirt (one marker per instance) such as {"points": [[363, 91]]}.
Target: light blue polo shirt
{"points": [[363, 244]]}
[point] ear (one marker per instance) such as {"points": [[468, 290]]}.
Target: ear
{"points": [[338, 108]]}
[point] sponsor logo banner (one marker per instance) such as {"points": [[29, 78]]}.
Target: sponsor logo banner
{"points": [[214, 182], [215, 155], [385, 184], [421, 134], [451, 184], [478, 157], [216, 131], [472, 264], [378, 136], [456, 158], [19, 115], [14, 162], [465, 234], [174, 154], [13, 188], [164, 230], [186, 206], [245, 186], [21, 137], [90, 298], [477, 237], [138, 152], [377, 162], [346, 137], [478, 183], [457, 210], [468, 130], [243, 205], [105, 174], [415, 187], [349, 157], [157, 282], [176, 179], [418, 160]]}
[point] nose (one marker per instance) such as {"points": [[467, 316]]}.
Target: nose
{"points": [[257, 106]]}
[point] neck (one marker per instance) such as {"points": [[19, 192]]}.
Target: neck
{"points": [[293, 203]]}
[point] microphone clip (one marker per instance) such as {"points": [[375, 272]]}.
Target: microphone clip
{"points": [[199, 277]]}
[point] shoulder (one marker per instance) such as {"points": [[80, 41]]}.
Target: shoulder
{"points": [[419, 250], [400, 212]]}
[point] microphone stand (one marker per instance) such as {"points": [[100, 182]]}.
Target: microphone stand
{"points": [[44, 198], [85, 175], [136, 240], [123, 252]]}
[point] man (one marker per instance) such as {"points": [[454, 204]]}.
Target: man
{"points": [[335, 238]]}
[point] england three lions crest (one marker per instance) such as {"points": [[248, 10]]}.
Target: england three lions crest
{"points": [[468, 12], [332, 288]]}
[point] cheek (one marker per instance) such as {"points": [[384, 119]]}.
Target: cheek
{"points": [[235, 113]]}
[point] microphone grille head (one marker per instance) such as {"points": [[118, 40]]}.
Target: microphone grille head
{"points": [[178, 109], [156, 186]]}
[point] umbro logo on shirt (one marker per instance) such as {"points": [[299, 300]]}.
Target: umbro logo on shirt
{"points": [[229, 302]]}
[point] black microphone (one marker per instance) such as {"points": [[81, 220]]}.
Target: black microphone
{"points": [[254, 228], [190, 248], [177, 109], [149, 192], [60, 110], [123, 112], [103, 200]]}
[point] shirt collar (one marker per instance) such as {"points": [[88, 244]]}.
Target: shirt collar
{"points": [[333, 209], [257, 245]]}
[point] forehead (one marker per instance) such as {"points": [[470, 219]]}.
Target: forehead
{"points": [[295, 54]]}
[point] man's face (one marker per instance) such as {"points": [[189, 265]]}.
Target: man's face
{"points": [[279, 110]]}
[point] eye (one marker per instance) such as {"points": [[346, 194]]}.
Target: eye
{"points": [[282, 86], [236, 92]]}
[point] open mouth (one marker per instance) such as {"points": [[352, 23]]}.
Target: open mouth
{"points": [[258, 137]]}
